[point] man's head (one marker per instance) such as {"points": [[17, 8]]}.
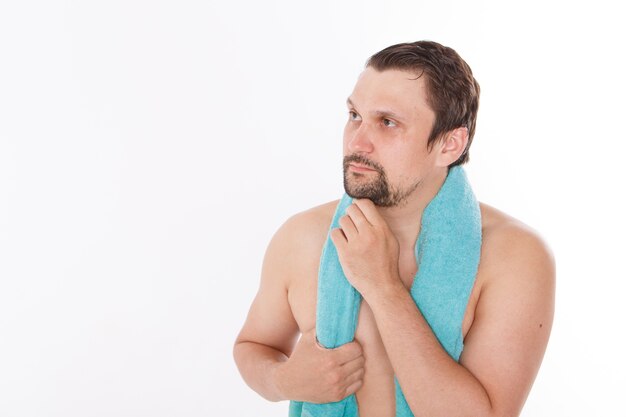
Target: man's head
{"points": [[413, 109], [452, 91]]}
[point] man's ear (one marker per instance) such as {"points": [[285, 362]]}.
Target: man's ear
{"points": [[451, 147]]}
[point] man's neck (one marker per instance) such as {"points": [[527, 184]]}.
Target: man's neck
{"points": [[405, 220]]}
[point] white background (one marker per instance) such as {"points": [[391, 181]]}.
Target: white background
{"points": [[150, 149]]}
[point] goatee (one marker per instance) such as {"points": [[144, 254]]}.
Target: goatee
{"points": [[376, 189]]}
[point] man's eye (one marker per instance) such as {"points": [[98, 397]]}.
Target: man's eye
{"points": [[389, 123], [352, 115]]}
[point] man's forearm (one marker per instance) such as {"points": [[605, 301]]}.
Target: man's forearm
{"points": [[432, 382], [257, 364]]}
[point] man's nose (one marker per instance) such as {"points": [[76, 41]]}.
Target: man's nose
{"points": [[360, 141]]}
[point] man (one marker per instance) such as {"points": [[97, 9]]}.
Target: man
{"points": [[411, 117]]}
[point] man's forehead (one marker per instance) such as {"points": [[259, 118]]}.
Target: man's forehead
{"points": [[392, 89]]}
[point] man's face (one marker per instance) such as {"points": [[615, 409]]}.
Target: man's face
{"points": [[384, 147]]}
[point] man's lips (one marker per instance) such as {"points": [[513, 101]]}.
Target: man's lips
{"points": [[360, 168]]}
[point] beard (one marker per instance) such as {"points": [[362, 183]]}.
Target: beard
{"points": [[377, 189]]}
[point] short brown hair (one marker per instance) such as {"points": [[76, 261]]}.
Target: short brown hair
{"points": [[453, 93]]}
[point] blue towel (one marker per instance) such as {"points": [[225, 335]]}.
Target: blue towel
{"points": [[447, 252]]}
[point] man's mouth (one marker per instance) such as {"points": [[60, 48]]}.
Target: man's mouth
{"points": [[360, 168]]}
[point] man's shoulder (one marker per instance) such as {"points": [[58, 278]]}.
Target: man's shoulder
{"points": [[305, 232], [297, 244], [512, 248], [310, 224], [314, 219]]}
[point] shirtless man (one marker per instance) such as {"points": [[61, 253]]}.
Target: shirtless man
{"points": [[411, 116]]}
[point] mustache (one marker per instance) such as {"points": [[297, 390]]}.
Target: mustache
{"points": [[360, 159]]}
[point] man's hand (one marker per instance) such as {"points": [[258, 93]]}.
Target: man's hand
{"points": [[318, 375], [367, 248]]}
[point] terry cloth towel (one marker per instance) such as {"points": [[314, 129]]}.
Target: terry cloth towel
{"points": [[447, 254]]}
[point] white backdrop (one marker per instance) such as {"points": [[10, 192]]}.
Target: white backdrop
{"points": [[150, 149]]}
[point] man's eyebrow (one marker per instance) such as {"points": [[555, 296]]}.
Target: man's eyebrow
{"points": [[388, 114], [380, 113]]}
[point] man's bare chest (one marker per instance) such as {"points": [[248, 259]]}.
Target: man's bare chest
{"points": [[302, 296]]}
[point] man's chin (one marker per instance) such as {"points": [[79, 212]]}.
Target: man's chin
{"points": [[362, 195]]}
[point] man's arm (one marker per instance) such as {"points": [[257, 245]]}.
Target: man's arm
{"points": [[270, 331], [266, 352], [505, 345]]}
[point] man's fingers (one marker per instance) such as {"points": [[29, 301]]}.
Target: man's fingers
{"points": [[348, 227], [338, 237], [354, 387], [354, 365], [348, 352], [369, 210], [357, 216], [355, 376]]}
